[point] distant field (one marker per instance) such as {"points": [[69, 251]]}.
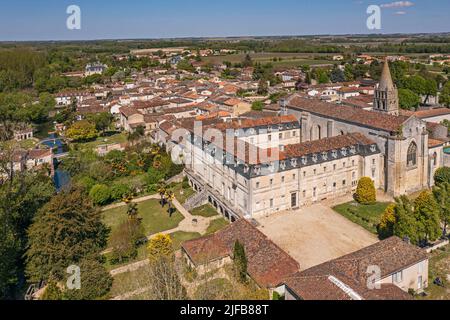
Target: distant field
{"points": [[289, 60]]}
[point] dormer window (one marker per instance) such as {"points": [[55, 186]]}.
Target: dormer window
{"points": [[344, 151], [283, 165], [246, 168], [269, 129], [314, 158], [353, 150], [257, 170], [324, 156], [304, 160], [294, 162], [335, 154], [373, 148]]}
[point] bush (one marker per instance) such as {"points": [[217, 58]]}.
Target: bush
{"points": [[119, 191], [52, 292], [87, 183], [386, 227], [366, 193], [123, 243], [276, 296], [96, 282], [100, 194], [442, 175], [185, 184]]}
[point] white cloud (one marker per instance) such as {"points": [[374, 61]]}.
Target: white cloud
{"points": [[398, 4]]}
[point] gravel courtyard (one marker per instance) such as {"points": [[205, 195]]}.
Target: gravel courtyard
{"points": [[315, 234]]}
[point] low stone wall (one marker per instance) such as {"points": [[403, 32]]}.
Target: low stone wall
{"points": [[438, 245]]}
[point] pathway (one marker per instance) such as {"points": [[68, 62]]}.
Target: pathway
{"points": [[186, 225], [137, 200]]}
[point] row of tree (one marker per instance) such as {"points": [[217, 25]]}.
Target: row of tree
{"points": [[421, 220]]}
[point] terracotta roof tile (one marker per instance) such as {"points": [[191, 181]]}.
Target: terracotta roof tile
{"points": [[371, 119], [268, 264]]}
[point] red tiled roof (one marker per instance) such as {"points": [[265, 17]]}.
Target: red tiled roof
{"points": [[390, 255], [371, 119], [268, 264]]}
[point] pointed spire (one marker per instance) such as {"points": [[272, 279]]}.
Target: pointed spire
{"points": [[386, 82]]}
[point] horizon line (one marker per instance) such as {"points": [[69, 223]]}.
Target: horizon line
{"points": [[225, 37]]}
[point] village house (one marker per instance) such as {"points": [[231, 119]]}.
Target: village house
{"points": [[94, 68], [387, 270], [23, 132], [267, 266], [66, 98]]}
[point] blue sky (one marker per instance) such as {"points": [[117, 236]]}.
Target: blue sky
{"points": [[125, 19]]}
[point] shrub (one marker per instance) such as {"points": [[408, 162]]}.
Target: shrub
{"points": [[387, 222], [442, 175], [276, 296], [124, 241], [96, 282], [366, 193], [52, 292], [87, 183], [100, 194], [119, 191]]}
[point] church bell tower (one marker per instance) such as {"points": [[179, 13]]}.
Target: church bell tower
{"points": [[386, 93]]}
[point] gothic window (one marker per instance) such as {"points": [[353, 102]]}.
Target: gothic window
{"points": [[319, 132], [412, 155]]}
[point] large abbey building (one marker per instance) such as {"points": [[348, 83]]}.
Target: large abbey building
{"points": [[411, 149], [314, 151]]}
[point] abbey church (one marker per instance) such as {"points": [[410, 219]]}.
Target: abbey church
{"points": [[320, 150], [411, 149]]}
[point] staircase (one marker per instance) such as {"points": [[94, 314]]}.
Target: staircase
{"points": [[196, 200]]}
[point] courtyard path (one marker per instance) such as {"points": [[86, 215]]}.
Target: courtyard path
{"points": [[186, 225], [137, 200]]}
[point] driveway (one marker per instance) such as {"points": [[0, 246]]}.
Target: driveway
{"points": [[315, 234]]}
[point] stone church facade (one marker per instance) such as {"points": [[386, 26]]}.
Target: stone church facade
{"points": [[316, 151], [407, 160]]}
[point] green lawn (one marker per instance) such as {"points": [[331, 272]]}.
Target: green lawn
{"points": [[216, 225], [24, 144], [129, 282], [180, 236], [439, 267], [367, 216], [154, 218], [182, 194], [115, 138], [215, 289], [206, 211], [142, 255]]}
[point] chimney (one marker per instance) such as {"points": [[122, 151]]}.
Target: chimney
{"points": [[407, 240]]}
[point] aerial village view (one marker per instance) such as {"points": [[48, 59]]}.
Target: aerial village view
{"points": [[214, 159]]}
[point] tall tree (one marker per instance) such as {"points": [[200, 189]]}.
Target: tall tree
{"points": [[240, 261], [66, 230], [426, 212], [406, 225], [442, 195], [20, 197]]}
